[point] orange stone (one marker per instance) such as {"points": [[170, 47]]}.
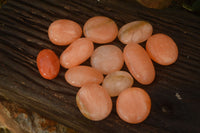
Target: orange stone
{"points": [[48, 64], [63, 32], [94, 102], [100, 29], [139, 63], [162, 49], [133, 105], [80, 75]]}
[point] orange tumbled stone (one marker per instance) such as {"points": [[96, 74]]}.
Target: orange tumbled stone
{"points": [[63, 32], [133, 105], [48, 64], [94, 102], [100, 29], [80, 75], [139, 63], [162, 49]]}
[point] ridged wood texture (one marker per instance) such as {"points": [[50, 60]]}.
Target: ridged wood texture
{"points": [[175, 93]]}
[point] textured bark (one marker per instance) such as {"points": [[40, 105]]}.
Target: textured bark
{"points": [[14, 118], [7, 122], [174, 93]]}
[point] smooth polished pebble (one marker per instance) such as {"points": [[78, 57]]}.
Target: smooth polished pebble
{"points": [[80, 75], [94, 102], [107, 59], [162, 49], [48, 64], [63, 32], [77, 52], [100, 29], [116, 82], [135, 32], [133, 105], [139, 63]]}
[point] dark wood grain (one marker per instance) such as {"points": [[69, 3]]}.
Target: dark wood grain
{"points": [[23, 33]]}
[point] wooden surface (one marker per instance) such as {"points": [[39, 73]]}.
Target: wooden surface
{"points": [[175, 93]]}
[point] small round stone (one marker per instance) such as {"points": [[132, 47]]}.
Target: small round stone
{"points": [[135, 32], [133, 105], [63, 32], [107, 59], [94, 102], [80, 75], [162, 49], [76, 53], [48, 64], [116, 82], [100, 29]]}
